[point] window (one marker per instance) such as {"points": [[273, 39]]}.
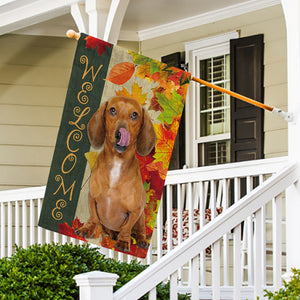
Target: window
{"points": [[214, 112], [208, 110]]}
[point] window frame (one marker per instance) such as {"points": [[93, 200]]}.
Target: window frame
{"points": [[196, 51]]}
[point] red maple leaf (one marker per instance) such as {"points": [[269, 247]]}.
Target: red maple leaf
{"points": [[156, 183], [176, 77], [94, 43], [76, 223], [66, 229]]}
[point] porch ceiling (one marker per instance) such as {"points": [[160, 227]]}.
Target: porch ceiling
{"points": [[143, 19]]}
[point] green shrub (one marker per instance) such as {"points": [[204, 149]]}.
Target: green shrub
{"points": [[290, 291], [46, 272]]}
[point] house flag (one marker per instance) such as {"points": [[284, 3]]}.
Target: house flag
{"points": [[119, 124]]}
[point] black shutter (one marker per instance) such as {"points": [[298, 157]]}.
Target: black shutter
{"points": [[178, 155], [246, 78]]}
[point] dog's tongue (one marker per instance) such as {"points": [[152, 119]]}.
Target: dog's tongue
{"points": [[125, 137]]}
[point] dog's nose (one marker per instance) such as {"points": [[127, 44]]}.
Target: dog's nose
{"points": [[118, 135]]}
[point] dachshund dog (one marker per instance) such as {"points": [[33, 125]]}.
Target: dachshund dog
{"points": [[117, 197]]}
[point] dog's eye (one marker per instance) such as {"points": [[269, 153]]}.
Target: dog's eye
{"points": [[134, 116], [112, 111]]}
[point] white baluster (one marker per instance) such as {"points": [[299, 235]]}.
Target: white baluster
{"points": [[258, 255], [24, 224], [215, 260], [202, 222], [2, 224], [169, 217], [173, 286], [159, 231], [40, 230], [237, 268], [32, 222], [194, 282], [9, 229], [17, 223], [277, 241]]}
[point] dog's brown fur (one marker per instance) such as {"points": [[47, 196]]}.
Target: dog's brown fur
{"points": [[117, 196]]}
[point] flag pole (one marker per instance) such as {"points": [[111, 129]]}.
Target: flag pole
{"points": [[286, 115]]}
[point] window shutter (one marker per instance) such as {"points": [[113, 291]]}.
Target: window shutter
{"points": [[178, 155], [246, 78]]}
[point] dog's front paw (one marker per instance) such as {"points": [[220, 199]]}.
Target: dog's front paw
{"points": [[143, 244], [87, 231], [123, 246]]}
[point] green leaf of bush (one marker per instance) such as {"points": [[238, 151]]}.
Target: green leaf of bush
{"points": [[46, 272]]}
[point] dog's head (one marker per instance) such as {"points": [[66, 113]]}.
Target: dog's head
{"points": [[123, 123]]}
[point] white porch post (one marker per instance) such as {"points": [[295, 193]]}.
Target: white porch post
{"points": [[292, 17], [100, 18], [96, 285], [98, 12]]}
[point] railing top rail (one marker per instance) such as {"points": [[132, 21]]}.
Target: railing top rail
{"points": [[22, 194], [208, 234], [232, 170], [229, 171]]}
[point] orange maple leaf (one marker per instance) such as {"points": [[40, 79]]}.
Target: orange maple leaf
{"points": [[160, 166], [123, 92]]}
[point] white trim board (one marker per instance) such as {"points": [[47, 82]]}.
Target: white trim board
{"points": [[206, 18]]}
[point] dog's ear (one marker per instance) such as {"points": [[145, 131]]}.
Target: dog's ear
{"points": [[147, 137], [96, 127]]}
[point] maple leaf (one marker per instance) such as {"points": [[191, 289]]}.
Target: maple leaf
{"points": [[123, 92], [159, 166], [156, 184], [91, 157], [164, 145], [76, 223], [92, 42], [176, 77], [140, 59], [143, 71], [136, 93], [154, 105], [150, 216], [121, 73], [143, 162], [66, 229], [155, 66], [171, 108], [185, 78], [182, 90]]}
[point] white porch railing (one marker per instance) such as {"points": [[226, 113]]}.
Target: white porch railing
{"points": [[19, 213], [188, 189], [251, 206], [187, 193]]}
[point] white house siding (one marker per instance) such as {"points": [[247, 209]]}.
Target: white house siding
{"points": [[271, 23], [33, 79], [34, 75]]}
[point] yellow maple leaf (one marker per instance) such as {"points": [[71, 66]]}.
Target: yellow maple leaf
{"points": [[143, 71], [91, 157], [165, 142], [136, 93]]}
